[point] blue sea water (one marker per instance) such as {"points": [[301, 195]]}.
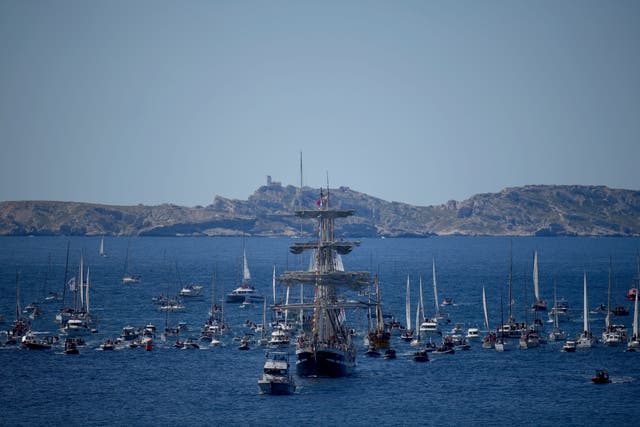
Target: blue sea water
{"points": [[218, 386]]}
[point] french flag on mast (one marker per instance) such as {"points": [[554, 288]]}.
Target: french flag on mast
{"points": [[320, 202]]}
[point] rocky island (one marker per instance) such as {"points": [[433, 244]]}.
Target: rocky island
{"points": [[535, 210]]}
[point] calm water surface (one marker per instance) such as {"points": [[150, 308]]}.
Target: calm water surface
{"points": [[218, 386]]}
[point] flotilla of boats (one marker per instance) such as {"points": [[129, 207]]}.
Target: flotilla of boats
{"points": [[317, 331]]}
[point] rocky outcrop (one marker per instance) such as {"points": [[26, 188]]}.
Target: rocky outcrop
{"points": [[269, 211]]}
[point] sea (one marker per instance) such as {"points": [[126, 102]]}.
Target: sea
{"points": [[218, 386]]}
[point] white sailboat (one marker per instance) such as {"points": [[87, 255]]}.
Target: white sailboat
{"points": [[635, 339], [586, 338], [245, 292], [127, 277], [538, 304], [556, 334], [102, 252], [489, 341], [407, 334], [429, 326], [612, 335]]}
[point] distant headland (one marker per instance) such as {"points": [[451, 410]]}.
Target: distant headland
{"points": [[533, 210]]}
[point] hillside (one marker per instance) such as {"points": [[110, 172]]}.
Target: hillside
{"points": [[529, 210]]}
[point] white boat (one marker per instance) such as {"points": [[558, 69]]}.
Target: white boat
{"points": [[275, 378], [557, 334], [127, 277], [612, 335], [191, 291], [586, 338], [473, 334], [244, 292], [429, 327], [569, 346], [279, 338]]}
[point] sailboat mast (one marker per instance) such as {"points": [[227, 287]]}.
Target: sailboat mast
{"points": [[87, 290], [421, 301], [607, 319], [435, 289], [535, 277], [585, 306], [408, 304], [66, 274], [510, 280]]}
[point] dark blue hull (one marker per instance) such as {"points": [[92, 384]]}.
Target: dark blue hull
{"points": [[325, 363]]}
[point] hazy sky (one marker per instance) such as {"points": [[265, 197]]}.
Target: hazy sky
{"points": [[127, 102]]}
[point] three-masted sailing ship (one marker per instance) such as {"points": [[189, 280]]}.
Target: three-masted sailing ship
{"points": [[326, 348]]}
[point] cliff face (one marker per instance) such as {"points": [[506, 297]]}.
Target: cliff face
{"points": [[529, 210]]}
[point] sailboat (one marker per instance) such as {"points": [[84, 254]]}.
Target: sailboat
{"points": [[245, 292], [127, 277], [556, 334], [328, 349], [489, 341], [407, 334], [379, 337], [586, 338], [635, 339], [20, 325], [500, 344], [538, 304], [612, 335], [430, 326], [102, 252], [511, 329]]}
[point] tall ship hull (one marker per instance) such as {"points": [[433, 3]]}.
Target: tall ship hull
{"points": [[325, 363]]}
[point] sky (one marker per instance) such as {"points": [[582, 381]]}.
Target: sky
{"points": [[421, 102]]}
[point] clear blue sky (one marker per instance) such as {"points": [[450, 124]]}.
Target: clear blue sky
{"points": [[127, 102]]}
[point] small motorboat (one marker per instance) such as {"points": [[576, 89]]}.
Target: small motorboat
{"points": [[372, 351], [389, 354], [276, 378], [569, 346], [71, 346], [601, 377], [421, 356]]}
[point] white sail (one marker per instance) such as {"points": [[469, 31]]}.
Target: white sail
{"points": [[273, 283], [408, 304], [535, 276], [81, 282], [421, 302], [484, 306], [102, 247], [339, 266], [435, 289], [246, 274], [635, 319], [585, 306], [87, 291], [286, 302]]}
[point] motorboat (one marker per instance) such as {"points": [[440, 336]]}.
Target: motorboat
{"points": [[569, 346], [191, 291], [421, 356], [275, 378], [473, 334], [243, 293], [601, 377], [32, 342], [71, 346], [389, 354]]}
